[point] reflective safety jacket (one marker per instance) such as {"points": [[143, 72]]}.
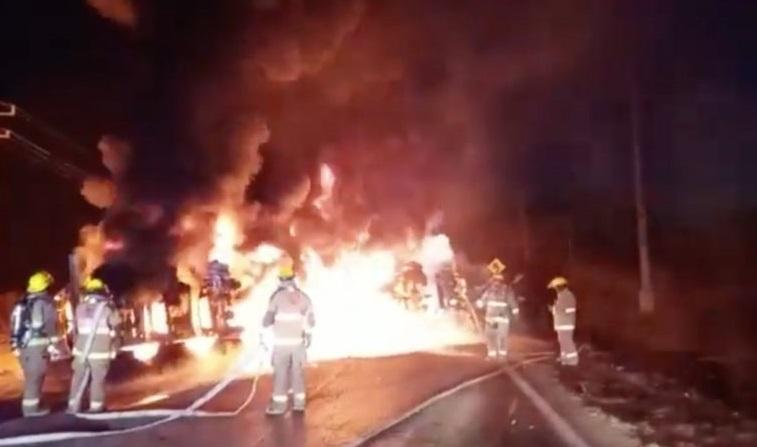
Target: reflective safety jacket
{"points": [[565, 310], [499, 302], [103, 332], [43, 321], [290, 312]]}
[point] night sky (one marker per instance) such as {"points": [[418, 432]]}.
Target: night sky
{"points": [[520, 109]]}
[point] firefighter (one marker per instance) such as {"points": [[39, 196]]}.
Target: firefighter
{"points": [[564, 315], [290, 313], [34, 334], [460, 290], [500, 305], [96, 322]]}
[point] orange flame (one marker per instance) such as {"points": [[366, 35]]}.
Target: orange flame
{"points": [[201, 315], [356, 316], [328, 179], [200, 346], [225, 239], [144, 352]]}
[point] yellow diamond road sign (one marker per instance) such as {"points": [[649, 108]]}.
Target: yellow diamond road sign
{"points": [[496, 266]]}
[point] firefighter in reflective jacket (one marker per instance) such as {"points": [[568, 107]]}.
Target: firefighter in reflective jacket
{"points": [[499, 303], [564, 314], [34, 334], [96, 321], [290, 313]]}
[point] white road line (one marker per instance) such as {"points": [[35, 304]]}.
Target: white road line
{"points": [[432, 400], [559, 424]]}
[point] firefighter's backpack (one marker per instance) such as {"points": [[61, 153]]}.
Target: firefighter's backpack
{"points": [[21, 322]]}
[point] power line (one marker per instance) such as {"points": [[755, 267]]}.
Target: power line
{"points": [[16, 111], [39, 153]]}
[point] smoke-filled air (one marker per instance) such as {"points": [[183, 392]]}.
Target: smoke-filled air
{"points": [[349, 135]]}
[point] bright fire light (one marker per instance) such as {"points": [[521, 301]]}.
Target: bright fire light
{"points": [[200, 346], [159, 318], [265, 254], [328, 179], [201, 315], [225, 239], [144, 352], [355, 315]]}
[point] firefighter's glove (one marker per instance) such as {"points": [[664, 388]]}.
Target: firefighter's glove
{"points": [[307, 339]]}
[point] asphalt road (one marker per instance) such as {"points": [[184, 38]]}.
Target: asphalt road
{"points": [[493, 413], [348, 399]]}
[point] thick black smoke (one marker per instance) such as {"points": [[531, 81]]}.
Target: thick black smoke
{"points": [[242, 102]]}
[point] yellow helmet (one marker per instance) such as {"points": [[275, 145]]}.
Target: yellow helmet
{"points": [[93, 284], [286, 271], [286, 267], [558, 281], [39, 282]]}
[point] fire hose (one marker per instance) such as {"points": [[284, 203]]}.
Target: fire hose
{"points": [[249, 356], [561, 427]]}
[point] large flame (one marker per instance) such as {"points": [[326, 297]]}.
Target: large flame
{"points": [[328, 180], [355, 312], [226, 238], [356, 315]]}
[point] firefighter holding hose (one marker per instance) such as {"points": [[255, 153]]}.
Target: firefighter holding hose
{"points": [[290, 314], [96, 321]]}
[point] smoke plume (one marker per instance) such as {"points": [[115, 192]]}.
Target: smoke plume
{"points": [[121, 12], [403, 100], [99, 192]]}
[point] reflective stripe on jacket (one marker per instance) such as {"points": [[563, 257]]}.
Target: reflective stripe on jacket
{"points": [[290, 312], [499, 302], [565, 309], [103, 332]]}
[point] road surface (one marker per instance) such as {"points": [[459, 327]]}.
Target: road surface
{"points": [[491, 413], [348, 399]]}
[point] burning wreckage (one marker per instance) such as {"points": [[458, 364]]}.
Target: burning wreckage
{"points": [[218, 292], [174, 316]]}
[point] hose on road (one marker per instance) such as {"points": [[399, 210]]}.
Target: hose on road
{"points": [[427, 403], [249, 356], [561, 427]]}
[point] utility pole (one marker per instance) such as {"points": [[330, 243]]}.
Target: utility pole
{"points": [[646, 292]]}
